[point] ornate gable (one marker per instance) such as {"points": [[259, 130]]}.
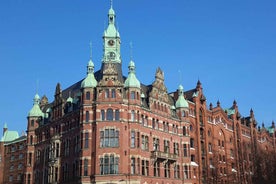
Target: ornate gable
{"points": [[159, 90]]}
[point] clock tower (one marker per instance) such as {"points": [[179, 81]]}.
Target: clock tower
{"points": [[112, 42]]}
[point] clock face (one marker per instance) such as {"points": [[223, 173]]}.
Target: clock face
{"points": [[111, 55], [111, 42]]}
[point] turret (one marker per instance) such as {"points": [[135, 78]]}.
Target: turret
{"points": [[36, 111], [181, 105]]}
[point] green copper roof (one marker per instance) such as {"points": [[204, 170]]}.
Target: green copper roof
{"points": [[111, 30], [36, 111], [270, 130], [9, 136], [90, 80], [131, 80], [181, 101], [69, 99], [230, 111]]}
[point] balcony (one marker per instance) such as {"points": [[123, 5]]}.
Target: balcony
{"points": [[162, 156]]}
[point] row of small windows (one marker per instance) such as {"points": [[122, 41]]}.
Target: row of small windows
{"points": [[112, 94], [141, 166], [20, 157], [135, 143]]}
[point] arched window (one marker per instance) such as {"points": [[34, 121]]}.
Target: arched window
{"points": [[87, 116], [109, 116], [87, 96], [32, 122], [102, 115], [117, 115]]}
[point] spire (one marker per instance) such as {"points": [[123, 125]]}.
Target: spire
{"points": [[90, 44], [36, 111], [90, 80], [181, 101]]}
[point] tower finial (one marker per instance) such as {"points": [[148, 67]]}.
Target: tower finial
{"points": [[90, 44], [111, 3], [37, 84], [131, 50], [180, 76]]}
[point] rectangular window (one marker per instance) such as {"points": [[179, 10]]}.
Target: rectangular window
{"points": [[132, 95], [192, 158], [109, 165], [102, 115], [166, 146], [86, 140], [176, 171], [138, 139], [87, 96], [210, 147], [156, 146], [109, 138], [132, 118], [107, 93], [186, 172], [113, 93], [30, 159], [156, 169], [117, 115], [132, 165], [132, 141], [87, 116], [85, 169], [145, 142], [192, 143], [57, 150], [138, 165], [185, 150], [167, 170], [143, 167], [175, 148]]}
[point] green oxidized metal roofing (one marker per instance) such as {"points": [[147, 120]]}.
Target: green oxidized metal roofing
{"points": [[181, 101], [9, 136], [36, 111], [230, 111], [131, 80], [90, 80], [111, 30]]}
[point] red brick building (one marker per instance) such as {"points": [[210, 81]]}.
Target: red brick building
{"points": [[110, 128], [12, 157]]}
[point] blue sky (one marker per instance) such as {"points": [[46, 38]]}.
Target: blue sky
{"points": [[229, 45]]}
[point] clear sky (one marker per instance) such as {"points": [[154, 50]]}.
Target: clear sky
{"points": [[230, 45]]}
